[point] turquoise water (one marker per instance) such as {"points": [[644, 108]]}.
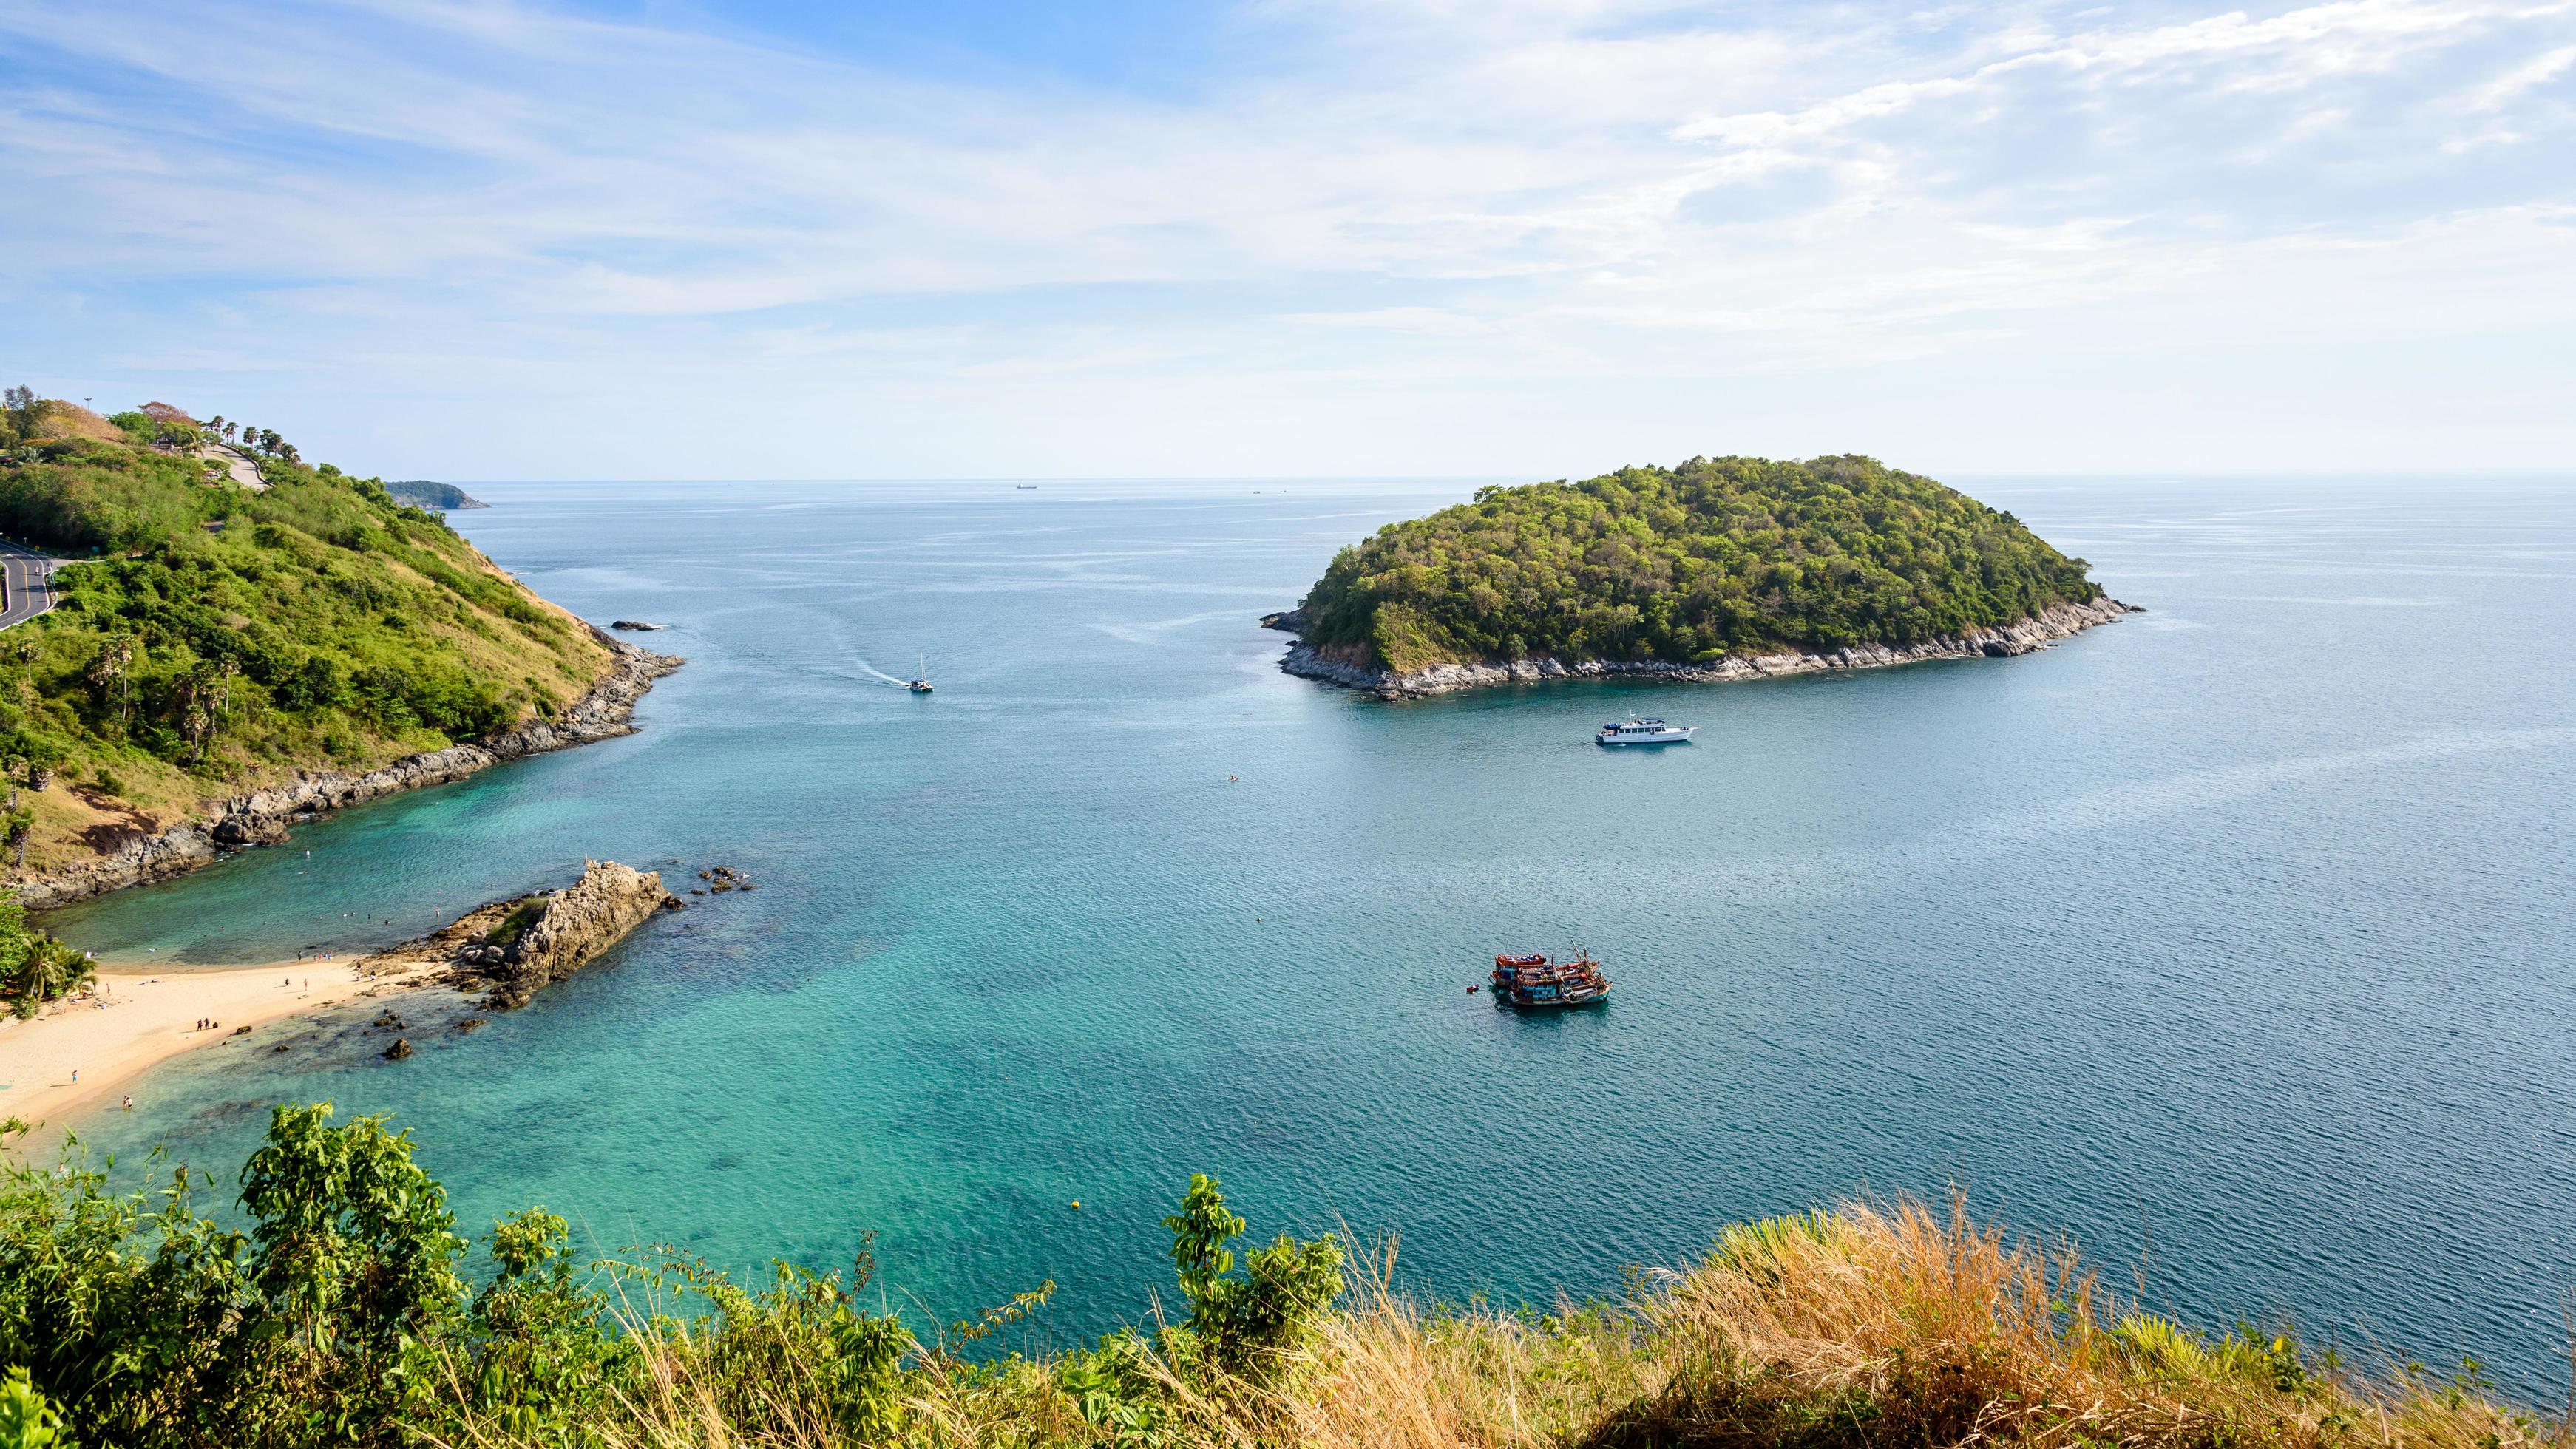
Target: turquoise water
{"points": [[2234, 939]]}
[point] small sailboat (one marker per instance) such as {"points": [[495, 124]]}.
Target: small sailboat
{"points": [[920, 676]]}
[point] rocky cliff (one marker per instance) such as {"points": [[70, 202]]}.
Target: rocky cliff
{"points": [[261, 817], [2060, 621]]}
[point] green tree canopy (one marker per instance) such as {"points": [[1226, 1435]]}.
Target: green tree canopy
{"points": [[1717, 556]]}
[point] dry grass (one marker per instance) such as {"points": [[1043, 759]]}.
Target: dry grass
{"points": [[70, 420], [1900, 1325]]}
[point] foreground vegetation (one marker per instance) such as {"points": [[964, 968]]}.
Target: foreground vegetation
{"points": [[1712, 558], [344, 1317], [214, 636]]}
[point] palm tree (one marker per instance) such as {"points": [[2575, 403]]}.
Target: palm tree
{"points": [[68, 968], [114, 666], [42, 969], [202, 704], [24, 649]]}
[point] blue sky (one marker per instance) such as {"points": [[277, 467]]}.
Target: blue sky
{"points": [[1402, 237]]}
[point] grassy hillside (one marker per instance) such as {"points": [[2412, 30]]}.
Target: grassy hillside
{"points": [[1712, 558], [352, 1314], [213, 637]]}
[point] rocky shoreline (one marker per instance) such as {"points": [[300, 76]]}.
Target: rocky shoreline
{"points": [[2058, 621], [261, 817]]}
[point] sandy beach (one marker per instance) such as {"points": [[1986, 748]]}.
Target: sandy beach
{"points": [[137, 1018]]}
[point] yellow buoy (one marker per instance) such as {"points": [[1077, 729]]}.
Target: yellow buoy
{"points": [[1077, 1204]]}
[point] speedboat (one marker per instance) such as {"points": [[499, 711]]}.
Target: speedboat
{"points": [[1649, 730]]}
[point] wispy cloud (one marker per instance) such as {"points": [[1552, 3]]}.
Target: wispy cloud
{"points": [[516, 209]]}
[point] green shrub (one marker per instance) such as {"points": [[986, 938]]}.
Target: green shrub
{"points": [[27, 1419]]}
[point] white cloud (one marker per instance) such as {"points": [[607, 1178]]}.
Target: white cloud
{"points": [[1426, 194]]}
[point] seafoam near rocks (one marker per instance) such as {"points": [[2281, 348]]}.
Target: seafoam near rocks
{"points": [[2058, 621], [261, 817]]}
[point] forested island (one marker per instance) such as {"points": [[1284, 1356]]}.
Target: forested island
{"points": [[422, 493], [239, 637], [1716, 568]]}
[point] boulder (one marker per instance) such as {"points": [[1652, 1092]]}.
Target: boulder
{"points": [[236, 831]]}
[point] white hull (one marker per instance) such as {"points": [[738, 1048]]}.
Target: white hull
{"points": [[1665, 737]]}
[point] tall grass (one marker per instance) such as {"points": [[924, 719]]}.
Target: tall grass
{"points": [[1903, 1324]]}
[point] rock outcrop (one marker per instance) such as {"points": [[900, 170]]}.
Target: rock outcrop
{"points": [[545, 938], [261, 817], [2058, 621], [511, 949]]}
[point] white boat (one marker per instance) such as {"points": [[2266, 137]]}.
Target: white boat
{"points": [[1651, 730], [920, 677]]}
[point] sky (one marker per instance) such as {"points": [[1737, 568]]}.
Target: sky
{"points": [[474, 239]]}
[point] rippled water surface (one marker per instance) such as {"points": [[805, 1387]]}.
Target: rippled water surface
{"points": [[2234, 939]]}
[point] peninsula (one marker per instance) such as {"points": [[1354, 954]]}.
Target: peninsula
{"points": [[1716, 569], [439, 497], [222, 650]]}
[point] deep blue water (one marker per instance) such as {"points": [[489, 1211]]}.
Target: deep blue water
{"points": [[2234, 939]]}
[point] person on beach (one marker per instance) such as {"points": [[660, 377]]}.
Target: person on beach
{"points": [[129, 1101]]}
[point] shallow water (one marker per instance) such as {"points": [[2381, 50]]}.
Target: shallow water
{"points": [[2234, 939]]}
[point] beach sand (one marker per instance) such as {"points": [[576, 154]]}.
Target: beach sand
{"points": [[137, 1018]]}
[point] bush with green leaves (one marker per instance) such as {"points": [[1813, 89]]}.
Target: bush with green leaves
{"points": [[1715, 557], [27, 1419], [1240, 1328], [341, 1315]]}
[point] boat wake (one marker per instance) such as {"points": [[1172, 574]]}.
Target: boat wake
{"points": [[871, 674], [875, 675]]}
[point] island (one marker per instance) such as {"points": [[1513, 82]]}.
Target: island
{"points": [[1715, 569], [441, 497], [199, 654]]}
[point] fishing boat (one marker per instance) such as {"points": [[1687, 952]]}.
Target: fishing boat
{"points": [[1534, 982], [920, 676], [1649, 730]]}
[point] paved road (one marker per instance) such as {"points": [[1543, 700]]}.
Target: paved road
{"points": [[28, 577], [240, 465]]}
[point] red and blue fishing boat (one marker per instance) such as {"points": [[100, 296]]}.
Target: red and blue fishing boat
{"points": [[1534, 982]]}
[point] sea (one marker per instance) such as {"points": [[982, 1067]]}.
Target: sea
{"points": [[2233, 943]]}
